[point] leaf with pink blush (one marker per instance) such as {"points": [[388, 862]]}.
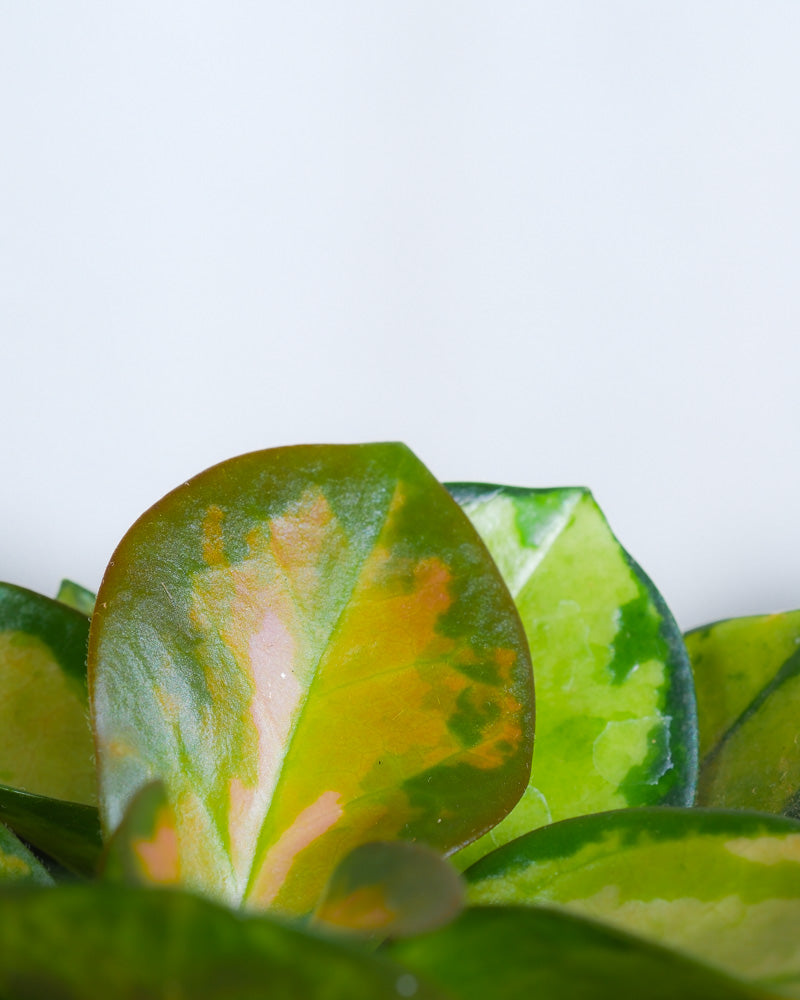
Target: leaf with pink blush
{"points": [[311, 648], [143, 850]]}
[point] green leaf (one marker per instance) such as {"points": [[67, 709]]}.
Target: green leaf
{"points": [[615, 713], [311, 648], [723, 886], [92, 942], [143, 850], [747, 676], [17, 864], [45, 737], [531, 953], [75, 596], [391, 889], [68, 832]]}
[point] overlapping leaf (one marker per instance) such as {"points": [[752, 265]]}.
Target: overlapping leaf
{"points": [[747, 676], [94, 942], [724, 886], [143, 850], [76, 596], [45, 738], [615, 705], [68, 832], [391, 889], [311, 648], [531, 953], [17, 864]]}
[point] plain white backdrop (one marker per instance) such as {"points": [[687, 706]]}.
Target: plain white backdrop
{"points": [[542, 243]]}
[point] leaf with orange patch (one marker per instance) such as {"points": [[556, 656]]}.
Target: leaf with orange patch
{"points": [[143, 850], [392, 890], [312, 648]]}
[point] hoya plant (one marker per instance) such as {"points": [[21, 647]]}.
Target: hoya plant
{"points": [[289, 751]]}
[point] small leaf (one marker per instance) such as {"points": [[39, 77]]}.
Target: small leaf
{"points": [[92, 942], [532, 953], [391, 890], [723, 886], [311, 648], [45, 737], [747, 676], [68, 832], [17, 864], [616, 722], [75, 596], [144, 848]]}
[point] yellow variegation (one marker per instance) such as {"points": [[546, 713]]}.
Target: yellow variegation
{"points": [[311, 648]]}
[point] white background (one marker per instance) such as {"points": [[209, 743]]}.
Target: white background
{"points": [[542, 243]]}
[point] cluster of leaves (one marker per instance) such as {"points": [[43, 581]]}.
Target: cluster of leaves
{"points": [[309, 681]]}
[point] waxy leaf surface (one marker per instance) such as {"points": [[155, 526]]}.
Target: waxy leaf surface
{"points": [[528, 953], [311, 648], [615, 722], [95, 942], [17, 864], [68, 832], [391, 889], [747, 677], [723, 886], [45, 737]]}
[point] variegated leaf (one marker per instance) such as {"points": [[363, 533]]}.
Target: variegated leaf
{"points": [[391, 889], [17, 864], [615, 719], [747, 676], [536, 953], [722, 886], [143, 850], [45, 737], [311, 648]]}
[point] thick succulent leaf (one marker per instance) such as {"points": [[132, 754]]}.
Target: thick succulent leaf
{"points": [[68, 832], [312, 648], [45, 737], [144, 848], [723, 886], [392, 889], [76, 596], [92, 942], [747, 677], [615, 721], [17, 864], [532, 953]]}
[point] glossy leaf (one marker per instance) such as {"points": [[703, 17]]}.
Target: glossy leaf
{"points": [[615, 719], [391, 889], [312, 648], [724, 886], [17, 864], [747, 676], [45, 738], [144, 848], [532, 953], [75, 596], [87, 942], [68, 832]]}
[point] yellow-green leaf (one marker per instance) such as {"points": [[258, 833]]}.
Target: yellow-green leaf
{"points": [[723, 886], [747, 675], [45, 737], [311, 648], [616, 721]]}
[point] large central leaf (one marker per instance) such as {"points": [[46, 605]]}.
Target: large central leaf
{"points": [[311, 648]]}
